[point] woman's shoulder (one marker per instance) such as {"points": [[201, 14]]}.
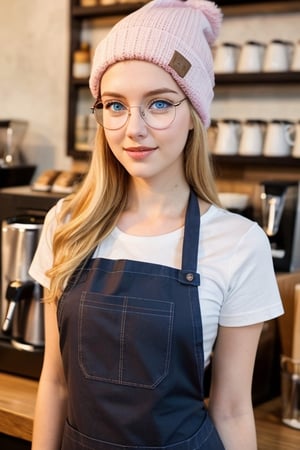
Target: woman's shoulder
{"points": [[229, 232], [52, 220], [223, 219], [53, 213]]}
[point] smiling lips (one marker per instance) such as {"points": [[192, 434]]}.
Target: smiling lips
{"points": [[139, 152]]}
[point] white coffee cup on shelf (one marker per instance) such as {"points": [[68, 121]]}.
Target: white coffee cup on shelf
{"points": [[278, 56], [295, 66], [296, 140], [251, 57], [226, 57], [252, 137], [278, 140], [212, 132], [228, 137]]}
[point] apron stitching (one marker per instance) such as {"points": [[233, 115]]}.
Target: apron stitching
{"points": [[122, 339], [80, 351]]}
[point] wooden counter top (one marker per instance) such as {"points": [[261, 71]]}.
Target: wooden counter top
{"points": [[272, 434], [17, 402]]}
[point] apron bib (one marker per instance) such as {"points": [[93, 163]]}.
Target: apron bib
{"points": [[132, 349]]}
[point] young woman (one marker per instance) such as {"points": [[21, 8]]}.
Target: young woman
{"points": [[146, 274]]}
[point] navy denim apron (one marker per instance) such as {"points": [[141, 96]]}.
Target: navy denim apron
{"points": [[132, 349]]}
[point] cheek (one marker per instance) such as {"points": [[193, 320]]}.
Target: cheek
{"points": [[179, 137], [114, 140]]}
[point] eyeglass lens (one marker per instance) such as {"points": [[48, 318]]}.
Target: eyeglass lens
{"points": [[114, 115]]}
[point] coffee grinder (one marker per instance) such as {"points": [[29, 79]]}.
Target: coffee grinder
{"points": [[280, 206]]}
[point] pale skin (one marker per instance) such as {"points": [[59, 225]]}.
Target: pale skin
{"points": [[157, 203], [230, 404], [51, 403]]}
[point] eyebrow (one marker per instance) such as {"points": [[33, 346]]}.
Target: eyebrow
{"points": [[153, 92]]}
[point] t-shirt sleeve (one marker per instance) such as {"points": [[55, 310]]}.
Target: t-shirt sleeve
{"points": [[253, 294], [43, 257]]}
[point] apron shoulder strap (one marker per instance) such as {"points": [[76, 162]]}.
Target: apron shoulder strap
{"points": [[189, 263]]}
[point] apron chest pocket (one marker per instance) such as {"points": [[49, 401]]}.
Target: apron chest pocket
{"points": [[125, 340]]}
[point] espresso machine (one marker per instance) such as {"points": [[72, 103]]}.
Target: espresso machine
{"points": [[280, 207], [21, 306], [21, 314], [22, 214]]}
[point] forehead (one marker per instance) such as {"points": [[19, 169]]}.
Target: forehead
{"points": [[138, 76]]}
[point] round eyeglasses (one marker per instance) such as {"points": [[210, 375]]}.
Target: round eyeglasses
{"points": [[113, 115]]}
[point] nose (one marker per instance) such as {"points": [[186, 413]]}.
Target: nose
{"points": [[135, 123]]}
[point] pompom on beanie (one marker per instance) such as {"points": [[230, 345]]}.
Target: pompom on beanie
{"points": [[176, 35]]}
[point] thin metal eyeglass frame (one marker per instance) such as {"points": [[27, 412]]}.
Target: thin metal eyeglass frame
{"points": [[141, 112]]}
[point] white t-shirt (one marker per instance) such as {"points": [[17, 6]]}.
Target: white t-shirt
{"points": [[238, 284]]}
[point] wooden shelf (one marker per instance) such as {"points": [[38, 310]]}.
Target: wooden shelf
{"points": [[86, 12], [258, 78], [242, 7], [262, 161], [236, 78], [229, 7]]}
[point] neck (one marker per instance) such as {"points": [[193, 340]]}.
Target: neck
{"points": [[154, 211]]}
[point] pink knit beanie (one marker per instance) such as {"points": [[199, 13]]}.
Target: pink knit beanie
{"points": [[174, 34]]}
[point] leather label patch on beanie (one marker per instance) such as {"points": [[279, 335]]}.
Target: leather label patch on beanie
{"points": [[180, 64]]}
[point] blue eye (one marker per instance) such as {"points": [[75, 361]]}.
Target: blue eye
{"points": [[160, 104], [115, 106]]}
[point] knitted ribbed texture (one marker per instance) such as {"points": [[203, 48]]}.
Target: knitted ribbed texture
{"points": [[155, 33]]}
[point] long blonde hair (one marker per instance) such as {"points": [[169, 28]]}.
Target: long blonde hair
{"points": [[89, 216]]}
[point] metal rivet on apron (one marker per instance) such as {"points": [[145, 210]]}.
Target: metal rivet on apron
{"points": [[189, 277]]}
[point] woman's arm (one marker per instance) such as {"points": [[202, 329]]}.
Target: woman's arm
{"points": [[50, 412], [230, 402]]}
